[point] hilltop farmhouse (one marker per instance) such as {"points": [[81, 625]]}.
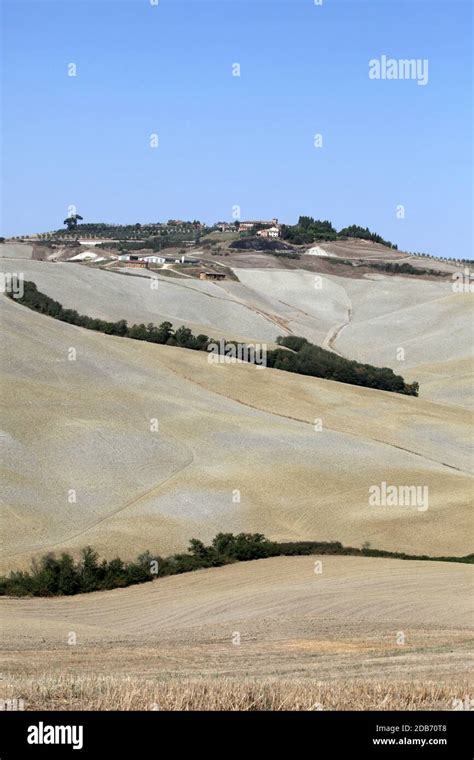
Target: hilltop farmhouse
{"points": [[248, 225], [269, 232]]}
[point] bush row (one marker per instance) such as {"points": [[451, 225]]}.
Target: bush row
{"points": [[308, 359], [63, 576], [294, 355], [395, 268]]}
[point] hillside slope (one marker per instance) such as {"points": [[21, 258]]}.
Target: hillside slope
{"points": [[359, 618], [235, 449], [406, 324]]}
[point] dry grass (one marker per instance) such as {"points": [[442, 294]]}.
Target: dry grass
{"points": [[86, 425], [305, 639], [271, 600], [91, 692]]}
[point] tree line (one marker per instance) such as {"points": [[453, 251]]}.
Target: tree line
{"points": [[395, 267], [406, 268], [294, 354], [65, 576], [305, 358]]}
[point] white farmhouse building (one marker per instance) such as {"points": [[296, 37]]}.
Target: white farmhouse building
{"points": [[269, 232]]}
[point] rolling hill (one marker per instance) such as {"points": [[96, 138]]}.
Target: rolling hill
{"points": [[236, 449], [362, 634], [128, 446]]}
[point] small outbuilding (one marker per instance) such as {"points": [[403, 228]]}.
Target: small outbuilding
{"points": [[212, 276]]}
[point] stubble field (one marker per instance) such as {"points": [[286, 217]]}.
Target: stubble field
{"points": [[129, 446]]}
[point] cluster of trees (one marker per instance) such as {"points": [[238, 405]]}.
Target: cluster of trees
{"points": [[275, 247], [406, 268], [364, 233], [294, 355], [64, 576], [309, 230], [307, 359]]}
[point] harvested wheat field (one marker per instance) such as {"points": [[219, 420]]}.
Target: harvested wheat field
{"points": [[201, 305], [132, 446], [369, 318], [128, 446], [363, 633], [392, 322], [98, 693]]}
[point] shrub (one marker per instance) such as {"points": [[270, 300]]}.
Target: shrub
{"points": [[64, 577]]}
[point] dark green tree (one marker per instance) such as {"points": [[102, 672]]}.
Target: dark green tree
{"points": [[69, 581], [71, 221], [89, 570]]}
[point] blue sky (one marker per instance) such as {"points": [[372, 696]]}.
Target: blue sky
{"points": [[245, 141]]}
